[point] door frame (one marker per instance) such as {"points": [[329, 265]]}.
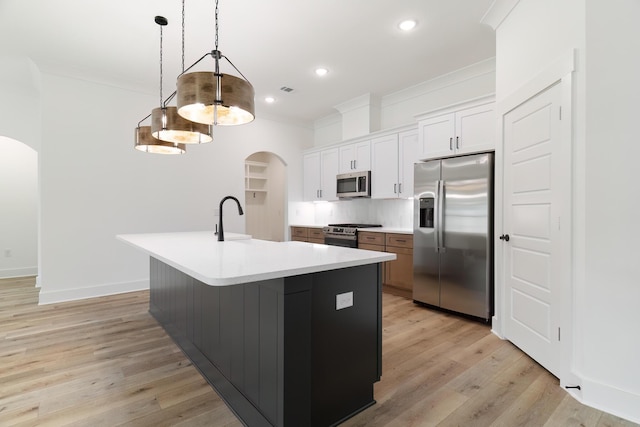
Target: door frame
{"points": [[559, 72]]}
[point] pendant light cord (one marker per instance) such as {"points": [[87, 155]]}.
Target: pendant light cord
{"points": [[216, 18], [183, 36], [161, 75]]}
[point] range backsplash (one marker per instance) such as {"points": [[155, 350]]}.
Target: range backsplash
{"points": [[388, 212]]}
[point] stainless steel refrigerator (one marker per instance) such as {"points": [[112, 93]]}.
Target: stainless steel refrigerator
{"points": [[453, 234]]}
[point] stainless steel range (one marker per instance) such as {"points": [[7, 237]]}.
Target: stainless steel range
{"points": [[344, 234]]}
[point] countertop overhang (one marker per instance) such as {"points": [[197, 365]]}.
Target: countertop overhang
{"points": [[241, 259]]}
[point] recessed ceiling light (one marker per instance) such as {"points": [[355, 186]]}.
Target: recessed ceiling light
{"points": [[269, 99], [321, 71], [408, 24]]}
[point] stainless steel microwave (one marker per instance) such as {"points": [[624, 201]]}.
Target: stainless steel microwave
{"points": [[353, 184]]}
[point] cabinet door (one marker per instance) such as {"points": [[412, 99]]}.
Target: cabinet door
{"points": [[346, 155], [355, 157], [399, 273], [329, 164], [408, 155], [384, 167], [311, 176], [362, 161], [436, 136], [476, 129]]}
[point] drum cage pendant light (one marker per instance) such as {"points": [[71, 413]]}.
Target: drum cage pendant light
{"points": [[145, 142], [212, 97], [166, 123], [143, 138]]}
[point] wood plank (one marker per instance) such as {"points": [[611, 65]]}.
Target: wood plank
{"points": [[106, 362]]}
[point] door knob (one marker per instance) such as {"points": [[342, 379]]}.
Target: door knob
{"points": [[504, 237]]}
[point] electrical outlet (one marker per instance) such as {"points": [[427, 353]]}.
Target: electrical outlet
{"points": [[344, 300], [7, 253]]}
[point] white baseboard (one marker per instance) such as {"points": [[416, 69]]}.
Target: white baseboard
{"points": [[18, 272], [607, 398], [63, 295]]}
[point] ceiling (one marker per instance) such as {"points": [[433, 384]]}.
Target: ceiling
{"points": [[274, 43]]}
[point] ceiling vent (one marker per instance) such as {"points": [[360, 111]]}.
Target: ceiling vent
{"points": [[286, 89]]}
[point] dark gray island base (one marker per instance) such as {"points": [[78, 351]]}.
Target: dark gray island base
{"points": [[278, 351]]}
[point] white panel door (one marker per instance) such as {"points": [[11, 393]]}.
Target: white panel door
{"points": [[533, 180]]}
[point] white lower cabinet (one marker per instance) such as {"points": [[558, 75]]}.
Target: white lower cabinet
{"points": [[320, 169], [392, 159]]}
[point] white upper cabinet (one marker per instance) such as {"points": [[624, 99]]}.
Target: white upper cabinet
{"points": [[329, 164], [320, 169], [355, 157], [468, 130], [407, 157], [392, 159], [384, 167]]}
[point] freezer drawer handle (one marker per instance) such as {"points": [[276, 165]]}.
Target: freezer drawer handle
{"points": [[504, 237]]}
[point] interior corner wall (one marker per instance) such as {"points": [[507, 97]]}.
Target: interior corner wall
{"points": [[605, 275], [94, 185]]}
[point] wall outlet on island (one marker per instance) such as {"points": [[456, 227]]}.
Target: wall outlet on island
{"points": [[344, 300]]}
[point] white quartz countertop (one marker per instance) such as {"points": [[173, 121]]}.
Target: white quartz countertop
{"points": [[240, 259]]}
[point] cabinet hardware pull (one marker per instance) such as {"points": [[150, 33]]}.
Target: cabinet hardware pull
{"points": [[400, 188], [457, 142], [394, 188], [354, 164], [451, 143]]}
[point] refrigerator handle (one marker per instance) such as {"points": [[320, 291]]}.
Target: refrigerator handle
{"points": [[436, 217], [440, 231]]}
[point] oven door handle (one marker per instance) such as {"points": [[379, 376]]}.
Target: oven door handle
{"points": [[340, 236]]}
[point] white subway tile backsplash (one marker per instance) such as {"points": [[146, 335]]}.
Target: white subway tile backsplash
{"points": [[397, 213]]}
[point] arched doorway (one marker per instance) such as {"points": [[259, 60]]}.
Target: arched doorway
{"points": [[19, 213], [265, 196]]}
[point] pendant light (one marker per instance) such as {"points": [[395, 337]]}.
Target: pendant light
{"points": [[143, 138], [212, 97], [166, 123], [148, 144]]}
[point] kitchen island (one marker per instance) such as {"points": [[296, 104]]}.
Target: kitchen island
{"points": [[288, 333]]}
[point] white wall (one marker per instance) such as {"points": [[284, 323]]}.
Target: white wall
{"points": [[400, 108], [605, 283], [610, 348], [20, 108], [94, 185], [18, 209]]}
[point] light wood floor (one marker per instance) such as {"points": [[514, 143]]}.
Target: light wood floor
{"points": [[106, 362]]}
